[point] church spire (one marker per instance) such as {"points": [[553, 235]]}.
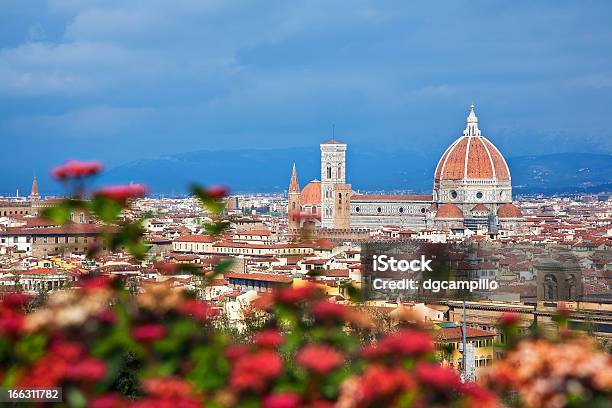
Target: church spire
{"points": [[294, 186], [472, 124], [34, 193]]}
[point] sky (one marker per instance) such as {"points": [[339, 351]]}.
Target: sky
{"points": [[119, 80]]}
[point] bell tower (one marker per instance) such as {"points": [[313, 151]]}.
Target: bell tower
{"points": [[293, 201], [333, 173], [34, 194]]}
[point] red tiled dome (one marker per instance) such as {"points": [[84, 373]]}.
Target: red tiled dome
{"points": [[509, 211], [472, 156], [449, 211], [311, 194]]}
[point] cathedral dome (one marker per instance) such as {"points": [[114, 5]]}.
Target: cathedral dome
{"points": [[449, 211], [472, 157], [509, 211], [311, 194]]}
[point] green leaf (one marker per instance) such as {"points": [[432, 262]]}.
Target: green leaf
{"points": [[31, 347], [61, 213], [223, 265], [105, 209], [75, 398], [212, 204], [216, 228], [352, 291]]}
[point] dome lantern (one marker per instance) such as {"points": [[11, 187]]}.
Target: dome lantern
{"points": [[472, 124]]}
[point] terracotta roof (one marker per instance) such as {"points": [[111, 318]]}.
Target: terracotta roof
{"points": [[456, 333], [68, 229], [449, 211], [311, 194], [337, 273], [262, 232], [38, 222], [509, 211], [41, 271], [332, 142], [472, 157], [195, 238]]}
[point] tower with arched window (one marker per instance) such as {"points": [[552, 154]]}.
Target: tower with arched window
{"points": [[333, 173], [559, 281]]}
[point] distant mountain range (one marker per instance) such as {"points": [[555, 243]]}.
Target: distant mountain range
{"points": [[371, 169]]}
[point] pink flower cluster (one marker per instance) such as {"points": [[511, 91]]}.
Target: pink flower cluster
{"points": [[75, 169]]}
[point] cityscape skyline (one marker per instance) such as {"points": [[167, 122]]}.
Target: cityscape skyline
{"points": [[311, 204]]}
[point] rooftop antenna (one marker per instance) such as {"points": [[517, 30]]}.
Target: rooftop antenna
{"points": [[333, 131]]}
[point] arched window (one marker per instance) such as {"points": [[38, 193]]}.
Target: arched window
{"points": [[550, 287], [339, 198], [329, 171], [339, 171]]}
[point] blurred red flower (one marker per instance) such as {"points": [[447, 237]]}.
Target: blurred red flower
{"points": [[95, 282], [437, 376], [148, 332], [282, 400], [405, 343], [66, 350], [107, 317], [236, 351], [251, 371], [197, 309], [15, 300], [269, 338], [88, 369], [319, 358], [216, 191], [11, 321], [325, 310], [509, 319], [110, 400], [480, 396], [379, 381], [292, 295], [167, 387], [321, 404], [47, 371], [166, 403], [123, 192], [76, 169]]}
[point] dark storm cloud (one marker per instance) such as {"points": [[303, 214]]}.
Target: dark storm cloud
{"points": [[117, 80]]}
